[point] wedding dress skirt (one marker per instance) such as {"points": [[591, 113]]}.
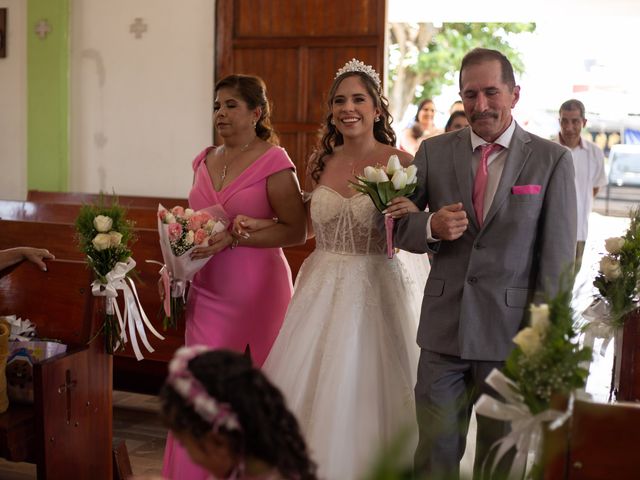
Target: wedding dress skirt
{"points": [[346, 355]]}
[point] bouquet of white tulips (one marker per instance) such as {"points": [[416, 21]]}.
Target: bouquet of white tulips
{"points": [[383, 184]]}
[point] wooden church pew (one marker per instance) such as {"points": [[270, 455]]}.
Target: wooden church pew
{"points": [[78, 198], [599, 441], [67, 431], [66, 213], [129, 374]]}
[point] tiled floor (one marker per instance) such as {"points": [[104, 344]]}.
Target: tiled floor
{"points": [[135, 420]]}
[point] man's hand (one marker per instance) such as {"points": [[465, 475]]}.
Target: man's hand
{"points": [[449, 223]]}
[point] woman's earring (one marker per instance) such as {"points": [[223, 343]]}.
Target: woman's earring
{"points": [[254, 124], [332, 121], [377, 119]]}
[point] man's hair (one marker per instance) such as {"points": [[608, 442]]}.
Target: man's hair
{"points": [[573, 104], [481, 55]]}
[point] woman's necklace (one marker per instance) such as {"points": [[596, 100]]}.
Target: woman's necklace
{"points": [[227, 162]]}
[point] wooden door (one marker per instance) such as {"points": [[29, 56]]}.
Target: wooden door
{"points": [[296, 46]]}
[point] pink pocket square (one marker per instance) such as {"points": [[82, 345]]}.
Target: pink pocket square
{"points": [[526, 189]]}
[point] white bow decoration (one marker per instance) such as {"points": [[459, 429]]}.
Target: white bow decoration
{"points": [[21, 330], [134, 316], [526, 428]]}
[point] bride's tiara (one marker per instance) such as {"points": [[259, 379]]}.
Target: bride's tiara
{"points": [[354, 65]]}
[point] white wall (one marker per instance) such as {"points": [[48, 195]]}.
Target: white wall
{"points": [[13, 104], [140, 108]]}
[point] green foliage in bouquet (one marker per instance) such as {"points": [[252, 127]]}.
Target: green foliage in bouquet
{"points": [[547, 360], [618, 280], [104, 234]]}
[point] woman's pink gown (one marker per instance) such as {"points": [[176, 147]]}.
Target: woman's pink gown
{"points": [[240, 296]]}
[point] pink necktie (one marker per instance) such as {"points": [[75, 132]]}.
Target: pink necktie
{"points": [[480, 182]]}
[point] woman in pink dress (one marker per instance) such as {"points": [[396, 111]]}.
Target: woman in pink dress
{"points": [[240, 296]]}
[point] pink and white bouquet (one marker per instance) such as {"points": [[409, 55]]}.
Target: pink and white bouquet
{"points": [[383, 184], [181, 230]]}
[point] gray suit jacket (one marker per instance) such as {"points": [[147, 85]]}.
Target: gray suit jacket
{"points": [[480, 285]]}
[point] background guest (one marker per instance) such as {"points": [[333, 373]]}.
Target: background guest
{"points": [[588, 162], [456, 121], [422, 127]]}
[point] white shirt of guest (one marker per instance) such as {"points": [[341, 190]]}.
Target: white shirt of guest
{"points": [[495, 166], [588, 163]]}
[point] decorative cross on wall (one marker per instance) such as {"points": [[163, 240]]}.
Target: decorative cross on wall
{"points": [[43, 28], [138, 27]]}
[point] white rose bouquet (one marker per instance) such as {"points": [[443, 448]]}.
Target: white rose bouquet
{"points": [[383, 184], [618, 281], [104, 235], [546, 362], [181, 230]]}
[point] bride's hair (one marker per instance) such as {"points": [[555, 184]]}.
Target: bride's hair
{"points": [[267, 430], [332, 138]]}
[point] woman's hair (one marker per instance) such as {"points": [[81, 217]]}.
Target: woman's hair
{"points": [[268, 431], [254, 92], [332, 138], [452, 118]]}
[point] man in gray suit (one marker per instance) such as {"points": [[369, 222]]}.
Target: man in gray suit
{"points": [[502, 228]]}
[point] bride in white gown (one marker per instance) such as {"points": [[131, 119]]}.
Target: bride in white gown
{"points": [[346, 354]]}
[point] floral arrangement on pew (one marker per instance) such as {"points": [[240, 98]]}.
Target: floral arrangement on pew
{"points": [[104, 235], [181, 230], [618, 284], [618, 281], [547, 362], [383, 184]]}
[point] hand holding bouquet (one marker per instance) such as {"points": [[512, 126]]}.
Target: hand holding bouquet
{"points": [[181, 230], [383, 184]]}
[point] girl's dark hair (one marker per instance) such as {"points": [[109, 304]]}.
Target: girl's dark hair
{"points": [[253, 91], [332, 138], [269, 432], [452, 118]]}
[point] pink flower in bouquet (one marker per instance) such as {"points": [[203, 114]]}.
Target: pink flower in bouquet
{"points": [[195, 222], [201, 236], [175, 232], [162, 214], [178, 211]]}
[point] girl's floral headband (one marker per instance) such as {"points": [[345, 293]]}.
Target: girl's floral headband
{"points": [[191, 390]]}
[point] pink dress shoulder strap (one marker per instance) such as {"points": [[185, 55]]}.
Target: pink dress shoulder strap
{"points": [[201, 157]]}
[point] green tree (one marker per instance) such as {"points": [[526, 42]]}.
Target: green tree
{"points": [[424, 58]]}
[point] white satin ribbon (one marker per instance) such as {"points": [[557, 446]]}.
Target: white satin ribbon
{"points": [[134, 316], [21, 330], [600, 325], [526, 428]]}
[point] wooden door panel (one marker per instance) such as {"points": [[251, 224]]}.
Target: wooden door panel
{"points": [[296, 46], [306, 18]]}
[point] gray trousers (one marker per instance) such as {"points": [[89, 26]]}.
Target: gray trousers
{"points": [[446, 390]]}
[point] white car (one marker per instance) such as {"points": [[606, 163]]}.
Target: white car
{"points": [[624, 165]]}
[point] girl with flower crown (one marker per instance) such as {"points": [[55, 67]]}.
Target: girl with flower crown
{"points": [[231, 419], [346, 355]]}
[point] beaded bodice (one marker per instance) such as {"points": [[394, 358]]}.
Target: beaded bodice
{"points": [[345, 225]]}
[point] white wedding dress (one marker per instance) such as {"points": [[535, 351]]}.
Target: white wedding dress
{"points": [[346, 355]]}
